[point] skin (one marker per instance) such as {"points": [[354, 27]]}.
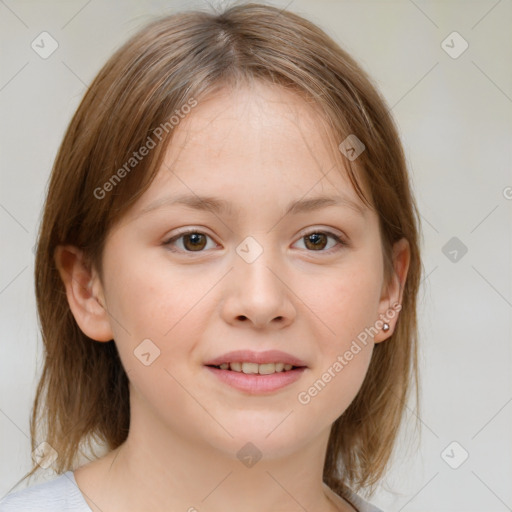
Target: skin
{"points": [[259, 147]]}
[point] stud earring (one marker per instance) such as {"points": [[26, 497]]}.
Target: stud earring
{"points": [[385, 327]]}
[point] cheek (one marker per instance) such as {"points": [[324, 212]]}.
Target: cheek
{"points": [[144, 292], [347, 308], [330, 391], [344, 347], [152, 299], [158, 318], [345, 300]]}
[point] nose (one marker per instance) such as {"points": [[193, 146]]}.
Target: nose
{"points": [[258, 294]]}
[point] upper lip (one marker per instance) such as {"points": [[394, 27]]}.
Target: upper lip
{"points": [[249, 356]]}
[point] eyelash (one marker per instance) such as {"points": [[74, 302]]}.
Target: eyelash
{"points": [[340, 241]]}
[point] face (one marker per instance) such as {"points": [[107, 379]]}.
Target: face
{"points": [[250, 275]]}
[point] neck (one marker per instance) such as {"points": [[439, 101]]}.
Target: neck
{"points": [[159, 469]]}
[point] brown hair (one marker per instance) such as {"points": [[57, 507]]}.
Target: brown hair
{"points": [[82, 394]]}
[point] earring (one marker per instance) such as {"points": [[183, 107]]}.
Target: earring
{"points": [[385, 327]]}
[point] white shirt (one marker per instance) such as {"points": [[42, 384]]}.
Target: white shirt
{"points": [[62, 494]]}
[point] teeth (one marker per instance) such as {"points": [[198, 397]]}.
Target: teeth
{"points": [[266, 369], [250, 367], [255, 368]]}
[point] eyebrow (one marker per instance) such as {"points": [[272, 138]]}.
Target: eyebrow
{"points": [[221, 206]]}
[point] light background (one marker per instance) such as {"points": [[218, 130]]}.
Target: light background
{"points": [[455, 119]]}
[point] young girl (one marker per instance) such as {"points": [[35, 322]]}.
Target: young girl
{"points": [[226, 277]]}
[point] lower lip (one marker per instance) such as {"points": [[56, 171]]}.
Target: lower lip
{"points": [[256, 383]]}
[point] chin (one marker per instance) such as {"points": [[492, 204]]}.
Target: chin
{"points": [[262, 436]]}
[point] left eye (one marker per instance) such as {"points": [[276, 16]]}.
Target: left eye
{"points": [[195, 241], [318, 240]]}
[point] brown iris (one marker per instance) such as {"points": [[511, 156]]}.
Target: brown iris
{"points": [[319, 240], [197, 241]]}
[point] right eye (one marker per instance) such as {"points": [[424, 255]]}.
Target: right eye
{"points": [[193, 241]]}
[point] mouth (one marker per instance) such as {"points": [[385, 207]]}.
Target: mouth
{"points": [[254, 378], [256, 373], [257, 369]]}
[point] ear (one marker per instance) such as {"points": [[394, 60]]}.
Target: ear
{"points": [[84, 292], [392, 294]]}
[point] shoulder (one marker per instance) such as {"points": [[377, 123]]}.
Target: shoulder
{"points": [[353, 500], [60, 494], [357, 502]]}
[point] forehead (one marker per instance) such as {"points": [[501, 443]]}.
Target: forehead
{"points": [[256, 143], [258, 120]]}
